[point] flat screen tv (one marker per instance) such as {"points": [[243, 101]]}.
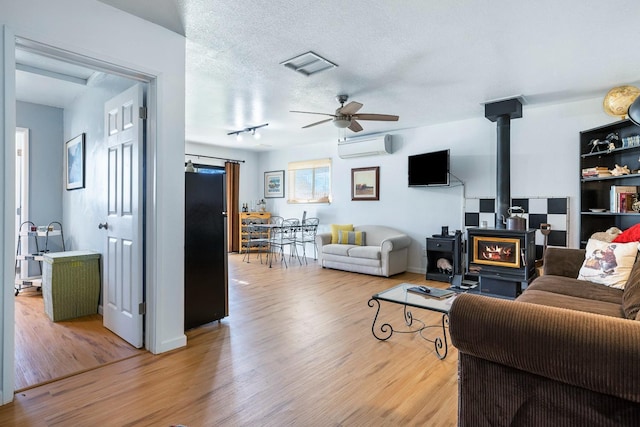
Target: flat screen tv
{"points": [[429, 169]]}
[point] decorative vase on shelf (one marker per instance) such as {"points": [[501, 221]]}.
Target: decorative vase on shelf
{"points": [[617, 101]]}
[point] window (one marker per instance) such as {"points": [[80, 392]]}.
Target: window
{"points": [[310, 181]]}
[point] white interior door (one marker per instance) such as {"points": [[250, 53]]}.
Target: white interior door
{"points": [[123, 254]]}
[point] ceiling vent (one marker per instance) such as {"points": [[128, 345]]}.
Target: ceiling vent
{"points": [[308, 63], [372, 146]]}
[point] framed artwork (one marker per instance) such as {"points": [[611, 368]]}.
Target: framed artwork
{"points": [[74, 162], [365, 183], [274, 184]]}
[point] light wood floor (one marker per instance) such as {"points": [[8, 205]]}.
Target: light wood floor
{"points": [[297, 349], [47, 350]]}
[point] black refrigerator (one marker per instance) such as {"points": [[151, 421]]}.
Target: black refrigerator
{"points": [[205, 252]]}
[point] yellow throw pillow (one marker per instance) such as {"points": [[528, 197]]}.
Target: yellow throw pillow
{"points": [[351, 237], [335, 229]]}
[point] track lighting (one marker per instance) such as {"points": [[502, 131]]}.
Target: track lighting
{"points": [[251, 129]]}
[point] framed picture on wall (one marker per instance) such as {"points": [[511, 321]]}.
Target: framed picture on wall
{"points": [[74, 162], [274, 184], [365, 183]]}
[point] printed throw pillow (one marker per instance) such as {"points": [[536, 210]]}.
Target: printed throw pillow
{"points": [[335, 228], [352, 238], [607, 263]]}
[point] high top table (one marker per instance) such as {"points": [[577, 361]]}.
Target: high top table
{"points": [[288, 240]]}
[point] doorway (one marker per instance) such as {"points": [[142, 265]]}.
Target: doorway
{"points": [[39, 338]]}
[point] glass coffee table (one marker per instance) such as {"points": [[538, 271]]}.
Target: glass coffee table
{"points": [[400, 295]]}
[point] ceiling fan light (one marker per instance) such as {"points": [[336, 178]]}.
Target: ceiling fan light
{"points": [[341, 122], [238, 137], [342, 135]]}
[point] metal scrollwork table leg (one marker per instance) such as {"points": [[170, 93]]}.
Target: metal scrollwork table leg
{"points": [[385, 330]]}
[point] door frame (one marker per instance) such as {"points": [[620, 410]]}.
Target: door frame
{"points": [[9, 41], [24, 189]]}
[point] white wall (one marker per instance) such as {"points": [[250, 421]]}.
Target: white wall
{"points": [[545, 163], [45, 164], [98, 31], [45, 161]]}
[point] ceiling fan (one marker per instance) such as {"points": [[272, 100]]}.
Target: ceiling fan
{"points": [[347, 115]]}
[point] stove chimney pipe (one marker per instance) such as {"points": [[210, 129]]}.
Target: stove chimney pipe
{"points": [[502, 112]]}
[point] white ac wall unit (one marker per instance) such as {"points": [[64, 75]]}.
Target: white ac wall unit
{"points": [[373, 146]]}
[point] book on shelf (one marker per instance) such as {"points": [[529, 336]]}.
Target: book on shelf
{"points": [[626, 201], [596, 171], [631, 141], [615, 197]]}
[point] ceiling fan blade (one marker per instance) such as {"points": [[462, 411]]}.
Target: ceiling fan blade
{"points": [[311, 112], [355, 126], [350, 108], [380, 117], [317, 123]]}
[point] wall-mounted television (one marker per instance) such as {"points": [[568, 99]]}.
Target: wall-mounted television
{"points": [[429, 169]]}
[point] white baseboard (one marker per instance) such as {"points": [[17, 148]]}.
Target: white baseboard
{"points": [[418, 270], [172, 344]]}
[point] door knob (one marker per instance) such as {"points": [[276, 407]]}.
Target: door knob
{"points": [[105, 226]]}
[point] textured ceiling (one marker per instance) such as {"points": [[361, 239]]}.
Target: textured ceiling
{"points": [[427, 61]]}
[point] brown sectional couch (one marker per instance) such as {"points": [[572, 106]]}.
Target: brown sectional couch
{"points": [[565, 353]]}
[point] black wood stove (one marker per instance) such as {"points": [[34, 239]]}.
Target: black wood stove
{"points": [[502, 261]]}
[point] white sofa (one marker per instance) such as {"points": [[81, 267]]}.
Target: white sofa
{"points": [[385, 254]]}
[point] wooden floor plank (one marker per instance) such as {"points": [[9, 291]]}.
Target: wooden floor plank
{"points": [[46, 350], [297, 349]]}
